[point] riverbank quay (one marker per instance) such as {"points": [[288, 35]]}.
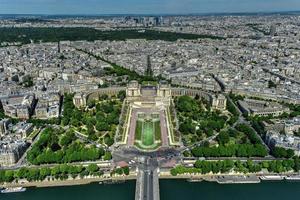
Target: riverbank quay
{"points": [[70, 182], [106, 178], [233, 178]]}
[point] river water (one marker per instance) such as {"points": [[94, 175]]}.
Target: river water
{"points": [[169, 190]]}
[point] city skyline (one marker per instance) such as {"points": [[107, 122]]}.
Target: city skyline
{"points": [[92, 7]]}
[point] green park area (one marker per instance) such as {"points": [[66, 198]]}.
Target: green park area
{"points": [[55, 145], [147, 132], [51, 34], [210, 133], [197, 121], [98, 122], [79, 135]]}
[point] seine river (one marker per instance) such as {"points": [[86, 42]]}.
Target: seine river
{"points": [[169, 190]]}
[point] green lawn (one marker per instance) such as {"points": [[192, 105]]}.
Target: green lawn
{"points": [[157, 130], [148, 133], [138, 130]]}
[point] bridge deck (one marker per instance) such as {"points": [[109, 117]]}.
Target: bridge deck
{"points": [[147, 185]]}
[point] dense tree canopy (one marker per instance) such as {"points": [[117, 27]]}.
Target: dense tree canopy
{"points": [[58, 172], [186, 104], [239, 150], [225, 166], [223, 138], [196, 119], [249, 132], [25, 35], [279, 152], [55, 147], [100, 118]]}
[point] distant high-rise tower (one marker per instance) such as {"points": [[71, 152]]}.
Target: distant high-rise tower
{"points": [[156, 21], [161, 21]]}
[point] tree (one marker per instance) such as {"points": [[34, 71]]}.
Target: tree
{"points": [[91, 104], [102, 126], [92, 168], [122, 95], [290, 153], [186, 154], [68, 108], [119, 171], [91, 131], [67, 138], [75, 122], [21, 173], [186, 104], [279, 152], [271, 84], [126, 170], [260, 150], [249, 132], [33, 174], [107, 156], [8, 176], [232, 109], [55, 171], [103, 97], [223, 138], [100, 116], [187, 127], [107, 107], [28, 82], [113, 118], [108, 140], [173, 172], [44, 172], [232, 132], [296, 164]]}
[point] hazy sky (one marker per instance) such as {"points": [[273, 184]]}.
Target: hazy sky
{"points": [[143, 6]]}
